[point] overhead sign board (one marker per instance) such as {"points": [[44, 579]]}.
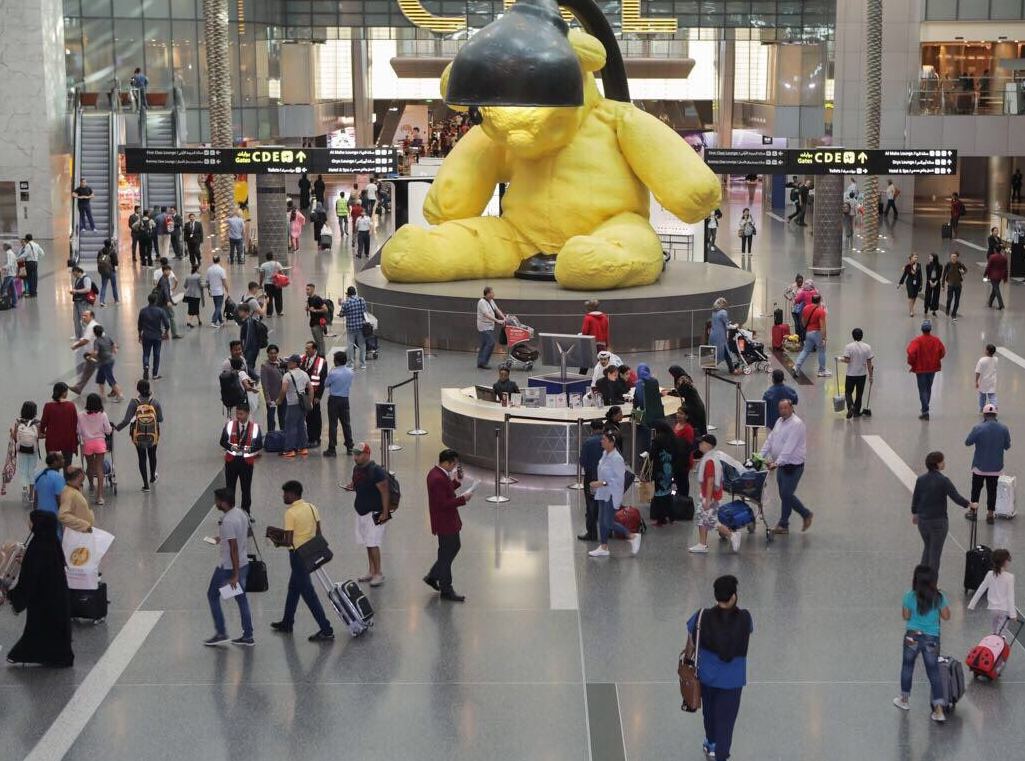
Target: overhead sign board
{"points": [[269, 160], [845, 161]]}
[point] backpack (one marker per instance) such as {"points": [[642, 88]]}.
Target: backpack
{"points": [[261, 333], [27, 435], [394, 491], [232, 393], [329, 316], [169, 223], [794, 194], [145, 431], [230, 309], [103, 262]]}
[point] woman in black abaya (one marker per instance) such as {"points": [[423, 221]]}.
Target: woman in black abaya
{"points": [[42, 590]]}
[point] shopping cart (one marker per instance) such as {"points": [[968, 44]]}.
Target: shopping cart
{"points": [[748, 485], [522, 354]]}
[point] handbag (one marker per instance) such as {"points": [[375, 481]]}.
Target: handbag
{"points": [[304, 398], [280, 280], [314, 553], [22, 271], [687, 671], [646, 486], [256, 578]]}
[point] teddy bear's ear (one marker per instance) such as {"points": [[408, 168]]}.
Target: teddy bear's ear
{"points": [[443, 86], [588, 49]]}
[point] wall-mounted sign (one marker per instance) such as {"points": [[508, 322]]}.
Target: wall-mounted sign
{"points": [[270, 160], [846, 161]]}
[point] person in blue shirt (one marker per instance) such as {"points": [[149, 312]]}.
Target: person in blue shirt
{"points": [[590, 455], [775, 394], [991, 439], [338, 384], [50, 484], [722, 642], [924, 606]]}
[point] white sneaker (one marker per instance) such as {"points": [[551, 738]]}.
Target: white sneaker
{"points": [[825, 373], [378, 580], [901, 703], [937, 715], [635, 544], [598, 553], [698, 549], [735, 540]]}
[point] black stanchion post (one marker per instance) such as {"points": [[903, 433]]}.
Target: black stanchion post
{"points": [[708, 402], [579, 483], [417, 430], [507, 479], [392, 446], [497, 498]]}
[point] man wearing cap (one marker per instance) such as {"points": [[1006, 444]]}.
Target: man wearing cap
{"points": [[372, 506], [991, 439], [241, 441], [294, 381], [925, 354], [605, 358]]}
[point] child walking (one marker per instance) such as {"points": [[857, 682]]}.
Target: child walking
{"points": [[999, 585]]}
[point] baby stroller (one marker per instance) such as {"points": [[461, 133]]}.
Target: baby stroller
{"points": [[108, 466], [751, 351], [522, 355], [370, 335]]}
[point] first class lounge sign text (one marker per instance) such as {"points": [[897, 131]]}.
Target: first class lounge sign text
{"points": [[629, 15]]}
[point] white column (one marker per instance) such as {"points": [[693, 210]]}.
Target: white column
{"points": [[33, 143]]}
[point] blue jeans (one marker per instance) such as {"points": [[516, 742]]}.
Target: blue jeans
{"points": [[221, 577], [607, 524], [8, 287], [218, 318], [925, 389], [812, 342], [235, 249], [357, 348], [719, 709], [85, 214], [787, 478], [151, 345], [300, 585], [487, 345], [987, 397], [929, 647], [112, 280], [295, 428]]}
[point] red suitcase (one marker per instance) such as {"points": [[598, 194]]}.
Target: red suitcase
{"points": [[779, 332], [989, 656]]}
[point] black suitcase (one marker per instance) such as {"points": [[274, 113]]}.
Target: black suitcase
{"points": [[947, 232], [978, 560], [682, 509], [89, 604]]}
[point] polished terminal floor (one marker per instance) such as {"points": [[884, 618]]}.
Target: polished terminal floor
{"points": [[554, 655]]}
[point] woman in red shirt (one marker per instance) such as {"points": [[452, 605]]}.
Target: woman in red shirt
{"points": [[596, 323], [59, 424]]}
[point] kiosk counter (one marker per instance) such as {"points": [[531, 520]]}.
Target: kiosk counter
{"points": [[542, 441]]}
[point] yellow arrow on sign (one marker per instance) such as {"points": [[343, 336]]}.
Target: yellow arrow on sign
{"points": [[862, 157], [300, 156]]}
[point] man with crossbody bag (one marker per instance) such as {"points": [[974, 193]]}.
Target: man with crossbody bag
{"points": [[716, 658]]}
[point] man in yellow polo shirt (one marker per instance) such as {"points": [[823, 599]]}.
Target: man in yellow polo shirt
{"points": [[301, 523]]}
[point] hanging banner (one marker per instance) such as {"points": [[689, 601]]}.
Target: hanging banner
{"points": [[845, 161], [271, 160]]}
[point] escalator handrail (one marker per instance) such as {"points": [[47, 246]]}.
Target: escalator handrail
{"points": [[76, 165], [113, 169]]}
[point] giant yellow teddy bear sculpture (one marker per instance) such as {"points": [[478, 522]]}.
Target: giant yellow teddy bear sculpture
{"points": [[578, 187]]}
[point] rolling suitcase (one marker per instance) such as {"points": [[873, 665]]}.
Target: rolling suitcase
{"points": [[89, 604], [978, 560], [1005, 497], [682, 509], [736, 514], [349, 602], [779, 335], [987, 658], [951, 681], [325, 240], [274, 441], [947, 232]]}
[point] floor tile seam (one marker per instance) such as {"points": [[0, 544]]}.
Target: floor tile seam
{"points": [[339, 683]]}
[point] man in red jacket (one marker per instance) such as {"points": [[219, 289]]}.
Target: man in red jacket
{"points": [[925, 354], [996, 272], [444, 505]]}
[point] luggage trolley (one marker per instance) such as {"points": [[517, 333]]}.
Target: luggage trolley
{"points": [[748, 486], [522, 354]]}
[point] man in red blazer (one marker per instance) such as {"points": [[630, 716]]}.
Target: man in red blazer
{"points": [[444, 505]]}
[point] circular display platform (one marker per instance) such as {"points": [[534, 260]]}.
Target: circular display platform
{"points": [[670, 314]]}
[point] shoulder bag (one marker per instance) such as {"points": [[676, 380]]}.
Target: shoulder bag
{"points": [[256, 577], [314, 553], [687, 670], [304, 397]]}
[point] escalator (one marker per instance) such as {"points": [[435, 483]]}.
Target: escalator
{"points": [[158, 190], [390, 125], [96, 161]]}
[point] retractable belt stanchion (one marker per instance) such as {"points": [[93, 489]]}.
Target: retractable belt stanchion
{"points": [[386, 450], [579, 484], [507, 479], [417, 430], [392, 446], [708, 403], [736, 441], [633, 445], [497, 498]]}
